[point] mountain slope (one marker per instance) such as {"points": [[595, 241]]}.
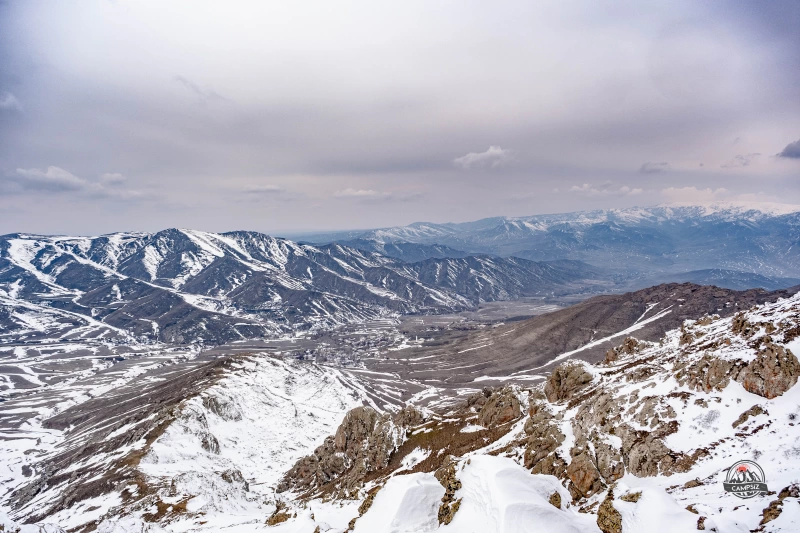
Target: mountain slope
{"points": [[643, 440], [182, 286], [526, 350]]}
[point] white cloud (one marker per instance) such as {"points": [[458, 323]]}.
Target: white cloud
{"points": [[9, 101], [605, 189], [53, 179], [493, 157], [371, 195], [363, 194]]}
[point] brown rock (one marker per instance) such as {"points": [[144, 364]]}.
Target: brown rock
{"points": [[584, 476], [631, 497], [708, 373], [501, 407], [565, 380], [774, 371], [608, 518], [753, 411], [544, 436], [555, 500]]}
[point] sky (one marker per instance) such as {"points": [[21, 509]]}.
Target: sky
{"points": [[282, 117]]}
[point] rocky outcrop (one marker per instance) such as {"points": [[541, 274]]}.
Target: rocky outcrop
{"points": [[566, 380], [446, 475], [744, 417], [708, 373], [500, 407], [608, 518], [774, 371], [363, 443], [584, 476], [544, 437]]}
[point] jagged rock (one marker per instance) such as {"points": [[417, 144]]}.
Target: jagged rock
{"points": [[631, 497], [753, 411], [357, 425], [565, 380], [544, 435], [222, 408], [446, 475], [409, 416], [708, 373], [608, 460], [210, 443], [585, 477], [741, 326], [774, 371], [608, 518], [235, 476], [500, 407], [771, 512], [363, 443], [279, 515], [555, 500]]}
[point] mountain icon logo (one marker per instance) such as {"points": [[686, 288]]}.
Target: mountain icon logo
{"points": [[745, 479]]}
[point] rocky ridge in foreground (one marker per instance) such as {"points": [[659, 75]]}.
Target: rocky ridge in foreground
{"points": [[645, 437]]}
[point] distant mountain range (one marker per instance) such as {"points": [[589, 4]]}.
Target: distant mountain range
{"points": [[644, 243], [182, 286]]}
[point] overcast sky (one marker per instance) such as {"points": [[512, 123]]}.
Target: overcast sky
{"points": [[295, 116]]}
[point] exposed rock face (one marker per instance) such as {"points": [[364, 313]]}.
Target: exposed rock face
{"points": [[565, 380], [774, 371], [544, 438], [446, 475], [753, 411], [608, 518], [363, 443], [707, 374], [500, 407], [584, 476]]}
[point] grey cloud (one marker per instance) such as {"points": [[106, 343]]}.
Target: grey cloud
{"points": [[654, 168], [791, 151], [199, 92], [56, 180], [112, 178], [741, 160], [313, 111], [9, 102], [493, 157], [53, 179], [264, 190]]}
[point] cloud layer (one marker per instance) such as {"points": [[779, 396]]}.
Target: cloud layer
{"points": [[308, 116]]}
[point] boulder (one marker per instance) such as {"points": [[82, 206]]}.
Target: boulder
{"points": [[565, 380], [500, 407], [774, 371]]}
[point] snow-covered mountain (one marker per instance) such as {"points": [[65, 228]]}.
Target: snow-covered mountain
{"points": [[760, 239], [641, 441], [181, 286]]}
